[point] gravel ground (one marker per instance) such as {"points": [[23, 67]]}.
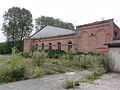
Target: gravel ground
{"points": [[109, 81], [51, 82]]}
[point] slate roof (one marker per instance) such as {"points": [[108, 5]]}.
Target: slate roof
{"points": [[52, 31]]}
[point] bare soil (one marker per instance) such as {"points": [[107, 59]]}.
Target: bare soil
{"points": [[110, 81]]}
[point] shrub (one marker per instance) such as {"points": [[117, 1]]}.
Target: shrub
{"points": [[54, 53], [71, 84], [8, 74], [39, 57], [70, 54], [14, 50], [33, 49], [67, 56], [64, 57], [107, 63], [4, 49], [17, 69], [24, 54], [60, 69], [38, 72]]}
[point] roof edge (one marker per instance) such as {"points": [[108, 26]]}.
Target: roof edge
{"points": [[55, 36], [95, 23]]}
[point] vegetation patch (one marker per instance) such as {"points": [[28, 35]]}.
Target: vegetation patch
{"points": [[38, 63], [88, 78]]}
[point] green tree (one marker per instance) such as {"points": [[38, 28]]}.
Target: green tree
{"points": [[42, 21], [17, 24]]}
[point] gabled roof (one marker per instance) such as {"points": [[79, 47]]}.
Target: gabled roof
{"points": [[52, 31]]}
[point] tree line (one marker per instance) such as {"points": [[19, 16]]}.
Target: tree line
{"points": [[18, 24]]}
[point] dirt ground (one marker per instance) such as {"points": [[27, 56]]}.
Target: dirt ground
{"points": [[50, 82], [109, 81]]}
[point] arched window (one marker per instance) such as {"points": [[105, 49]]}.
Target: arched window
{"points": [[42, 46], [69, 45], [50, 45], [59, 46]]}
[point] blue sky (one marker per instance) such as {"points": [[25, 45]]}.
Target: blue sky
{"points": [[75, 11]]}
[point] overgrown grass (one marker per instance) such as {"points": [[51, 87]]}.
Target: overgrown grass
{"points": [[36, 64], [88, 78]]}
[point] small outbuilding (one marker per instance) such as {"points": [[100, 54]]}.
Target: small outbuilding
{"points": [[114, 53]]}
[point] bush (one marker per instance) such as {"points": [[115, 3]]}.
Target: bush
{"points": [[33, 48], [9, 74], [54, 53], [6, 47], [24, 54], [64, 57], [17, 69], [14, 50], [71, 84], [39, 57], [107, 63], [70, 54], [38, 72]]}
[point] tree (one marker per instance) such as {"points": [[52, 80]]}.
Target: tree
{"points": [[43, 21], [17, 24]]}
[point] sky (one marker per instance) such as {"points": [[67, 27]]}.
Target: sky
{"points": [[77, 12]]}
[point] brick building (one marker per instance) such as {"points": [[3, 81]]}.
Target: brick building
{"points": [[86, 38]]}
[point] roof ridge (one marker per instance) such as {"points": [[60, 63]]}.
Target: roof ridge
{"points": [[60, 27], [96, 22]]}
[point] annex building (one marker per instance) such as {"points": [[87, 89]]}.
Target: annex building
{"points": [[85, 38]]}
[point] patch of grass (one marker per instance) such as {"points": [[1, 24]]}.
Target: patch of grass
{"points": [[83, 80], [39, 71], [2, 83], [95, 75], [3, 60], [71, 84], [88, 78]]}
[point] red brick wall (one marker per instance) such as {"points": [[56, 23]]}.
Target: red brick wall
{"points": [[92, 38], [54, 40]]}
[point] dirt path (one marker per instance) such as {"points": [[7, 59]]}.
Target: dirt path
{"points": [[109, 81], [51, 82]]}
